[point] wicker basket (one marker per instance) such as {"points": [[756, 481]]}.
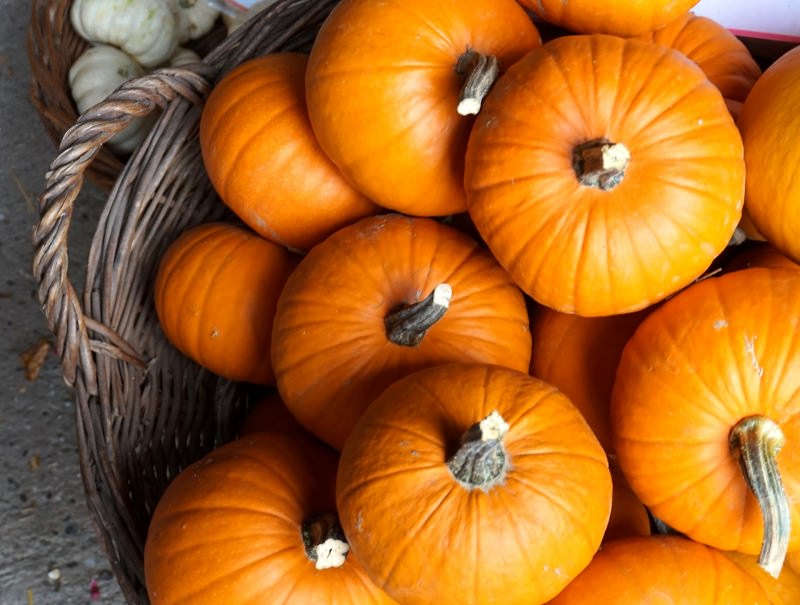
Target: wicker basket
{"points": [[53, 46], [143, 411]]}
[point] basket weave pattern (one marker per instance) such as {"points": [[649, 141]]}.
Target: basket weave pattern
{"points": [[143, 411]]}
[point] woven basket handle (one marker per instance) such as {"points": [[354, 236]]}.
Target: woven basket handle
{"points": [[63, 181]]}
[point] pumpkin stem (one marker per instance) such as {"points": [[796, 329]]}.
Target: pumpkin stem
{"points": [[324, 541], [480, 72], [600, 163], [481, 460], [756, 441], [408, 326]]}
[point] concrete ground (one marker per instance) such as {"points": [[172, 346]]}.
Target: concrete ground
{"points": [[48, 550]]}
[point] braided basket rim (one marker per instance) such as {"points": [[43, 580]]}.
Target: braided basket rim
{"points": [[143, 411]]}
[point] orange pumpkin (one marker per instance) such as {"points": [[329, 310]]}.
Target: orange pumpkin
{"points": [[704, 413], [386, 82], [579, 356], [619, 17], [770, 126], [254, 522], [783, 590], [379, 300], [216, 291], [661, 569], [611, 183], [262, 158], [721, 55], [470, 485]]}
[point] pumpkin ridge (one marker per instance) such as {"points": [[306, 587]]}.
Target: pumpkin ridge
{"points": [[245, 145], [220, 268], [175, 262], [196, 591], [425, 518], [576, 522]]}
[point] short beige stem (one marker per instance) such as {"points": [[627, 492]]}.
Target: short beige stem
{"points": [[481, 460], [324, 541], [480, 72], [756, 441], [600, 163], [408, 326]]}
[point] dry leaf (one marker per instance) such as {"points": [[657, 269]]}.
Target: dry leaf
{"points": [[33, 359]]}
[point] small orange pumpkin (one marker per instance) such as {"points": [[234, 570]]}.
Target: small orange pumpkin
{"points": [[216, 291], [380, 299], [610, 184], [472, 485], [252, 522], [721, 55], [705, 412], [618, 17], [386, 83], [262, 158], [770, 126], [661, 569]]}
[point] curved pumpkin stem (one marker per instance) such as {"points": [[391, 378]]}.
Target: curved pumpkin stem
{"points": [[600, 163], [324, 541], [481, 461], [480, 72], [756, 441], [408, 326]]}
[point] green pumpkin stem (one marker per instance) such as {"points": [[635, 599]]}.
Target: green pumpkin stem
{"points": [[600, 163], [408, 326], [756, 441], [479, 73], [324, 540], [481, 460]]}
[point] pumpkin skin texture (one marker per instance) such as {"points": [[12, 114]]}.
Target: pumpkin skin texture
{"points": [[613, 182], [228, 530], [719, 352], [617, 17], [330, 348], [783, 590], [263, 160], [579, 356], [770, 127], [425, 537], [721, 55], [382, 91], [216, 291], [661, 569]]}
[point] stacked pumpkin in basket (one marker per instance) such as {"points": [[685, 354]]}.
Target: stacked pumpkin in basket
{"points": [[429, 178]]}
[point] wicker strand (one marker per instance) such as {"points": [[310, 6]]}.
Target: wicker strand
{"points": [[143, 411], [64, 180]]}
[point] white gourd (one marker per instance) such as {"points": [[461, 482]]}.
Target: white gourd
{"points": [[183, 56], [99, 71], [193, 18], [145, 29]]}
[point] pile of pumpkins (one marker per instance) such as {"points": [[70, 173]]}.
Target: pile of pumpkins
{"points": [[509, 351]]}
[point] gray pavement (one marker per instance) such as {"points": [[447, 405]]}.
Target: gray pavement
{"points": [[48, 550]]}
